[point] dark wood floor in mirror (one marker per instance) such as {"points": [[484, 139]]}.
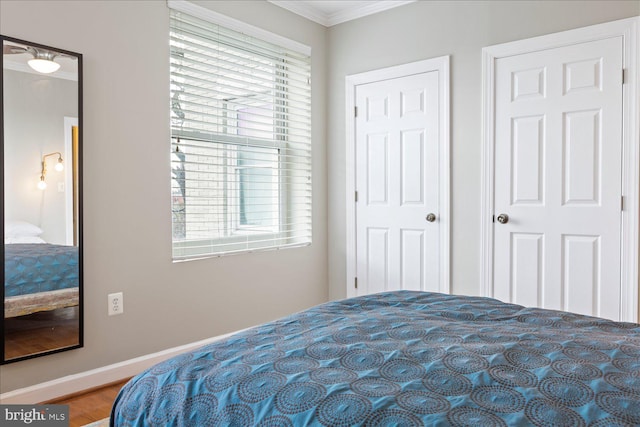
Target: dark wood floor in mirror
{"points": [[41, 332]]}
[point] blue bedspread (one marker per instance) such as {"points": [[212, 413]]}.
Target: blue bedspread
{"points": [[33, 268], [401, 359]]}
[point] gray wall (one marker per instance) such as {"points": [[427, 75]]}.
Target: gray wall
{"points": [[127, 209], [34, 126], [428, 29]]}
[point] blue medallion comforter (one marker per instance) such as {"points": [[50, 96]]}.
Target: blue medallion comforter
{"points": [[33, 268], [401, 359]]}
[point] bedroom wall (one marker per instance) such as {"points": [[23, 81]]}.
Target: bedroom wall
{"points": [[34, 126], [427, 29], [127, 222]]}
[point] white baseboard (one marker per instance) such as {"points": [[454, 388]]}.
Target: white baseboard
{"points": [[96, 377]]}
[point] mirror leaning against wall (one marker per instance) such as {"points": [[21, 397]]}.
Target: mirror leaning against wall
{"points": [[41, 200]]}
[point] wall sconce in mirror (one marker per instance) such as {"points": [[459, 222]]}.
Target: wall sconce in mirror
{"points": [[42, 184]]}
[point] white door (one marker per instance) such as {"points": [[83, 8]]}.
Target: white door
{"points": [[558, 174], [398, 217]]}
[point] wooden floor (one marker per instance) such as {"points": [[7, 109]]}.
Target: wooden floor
{"points": [[90, 406], [40, 332]]}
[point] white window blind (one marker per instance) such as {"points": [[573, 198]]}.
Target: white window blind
{"points": [[241, 141]]}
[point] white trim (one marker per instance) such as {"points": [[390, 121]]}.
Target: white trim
{"points": [[236, 25], [631, 175], [441, 65], [96, 377], [310, 11], [628, 29], [303, 9], [486, 191], [365, 10]]}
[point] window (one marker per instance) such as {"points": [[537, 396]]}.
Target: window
{"points": [[241, 141]]}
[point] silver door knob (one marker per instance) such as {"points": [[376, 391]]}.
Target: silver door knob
{"points": [[503, 218], [431, 217]]}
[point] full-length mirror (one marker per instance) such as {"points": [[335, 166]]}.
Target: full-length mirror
{"points": [[41, 203]]}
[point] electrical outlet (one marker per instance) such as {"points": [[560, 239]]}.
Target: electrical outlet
{"points": [[115, 304]]}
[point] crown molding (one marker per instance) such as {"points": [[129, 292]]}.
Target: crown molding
{"points": [[303, 9], [310, 11]]}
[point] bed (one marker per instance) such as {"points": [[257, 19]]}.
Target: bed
{"points": [[39, 277], [400, 358]]}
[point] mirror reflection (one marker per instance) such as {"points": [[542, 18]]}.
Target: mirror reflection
{"points": [[42, 226]]}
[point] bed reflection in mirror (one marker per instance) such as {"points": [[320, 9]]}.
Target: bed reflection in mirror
{"points": [[41, 205]]}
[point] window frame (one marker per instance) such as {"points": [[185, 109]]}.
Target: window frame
{"points": [[280, 146], [293, 225], [238, 235]]}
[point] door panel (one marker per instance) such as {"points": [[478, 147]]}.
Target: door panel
{"points": [[377, 169], [527, 179], [558, 174], [581, 264], [581, 152], [397, 178], [527, 261], [412, 167], [411, 257], [377, 258]]}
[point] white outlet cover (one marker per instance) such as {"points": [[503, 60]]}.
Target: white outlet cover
{"points": [[115, 304]]}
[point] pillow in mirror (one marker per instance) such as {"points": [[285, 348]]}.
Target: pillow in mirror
{"points": [[21, 229], [23, 239]]}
